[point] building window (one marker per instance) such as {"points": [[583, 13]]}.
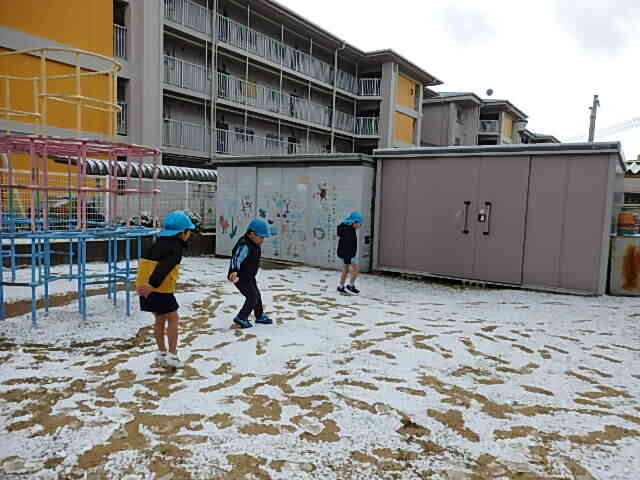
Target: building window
{"points": [[631, 198], [122, 185], [457, 141], [244, 134], [459, 114], [292, 145]]}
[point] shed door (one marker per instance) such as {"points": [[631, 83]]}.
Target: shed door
{"points": [[393, 214], [439, 233], [499, 219]]}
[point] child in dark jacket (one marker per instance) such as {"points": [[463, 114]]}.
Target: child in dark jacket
{"points": [[347, 250], [158, 272], [243, 268]]}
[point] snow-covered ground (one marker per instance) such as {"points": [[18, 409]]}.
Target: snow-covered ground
{"points": [[408, 380]]}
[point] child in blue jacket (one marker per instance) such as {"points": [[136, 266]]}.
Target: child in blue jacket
{"points": [[243, 268], [347, 250]]}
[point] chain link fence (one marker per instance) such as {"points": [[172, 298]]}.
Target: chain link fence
{"points": [[197, 197]]}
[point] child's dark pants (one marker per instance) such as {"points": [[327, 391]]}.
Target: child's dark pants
{"points": [[253, 299]]}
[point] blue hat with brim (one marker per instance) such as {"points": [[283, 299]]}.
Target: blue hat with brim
{"points": [[259, 227], [355, 217], [176, 223]]}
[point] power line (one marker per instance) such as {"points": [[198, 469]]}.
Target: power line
{"points": [[612, 130]]}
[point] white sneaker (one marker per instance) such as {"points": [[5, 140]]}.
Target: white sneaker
{"points": [[172, 360], [160, 358]]}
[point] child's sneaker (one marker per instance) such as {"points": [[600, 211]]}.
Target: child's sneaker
{"points": [[242, 323], [160, 359], [343, 291], [264, 320], [353, 289], [173, 361]]}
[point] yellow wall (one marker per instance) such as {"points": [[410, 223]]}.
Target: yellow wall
{"points": [[84, 24], [61, 202], [406, 92], [507, 125], [22, 162], [404, 128], [58, 114]]}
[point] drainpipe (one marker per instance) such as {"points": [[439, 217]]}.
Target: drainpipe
{"points": [[335, 82], [213, 134]]}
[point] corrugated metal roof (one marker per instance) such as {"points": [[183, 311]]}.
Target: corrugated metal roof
{"points": [[165, 172], [633, 167]]}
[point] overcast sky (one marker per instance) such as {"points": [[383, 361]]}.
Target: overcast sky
{"points": [[548, 57]]}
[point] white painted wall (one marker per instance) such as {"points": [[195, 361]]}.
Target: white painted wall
{"points": [[304, 206]]}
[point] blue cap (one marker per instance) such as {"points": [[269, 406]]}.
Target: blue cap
{"points": [[175, 223], [355, 217], [259, 227]]}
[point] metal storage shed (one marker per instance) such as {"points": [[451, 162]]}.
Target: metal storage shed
{"points": [[536, 216]]}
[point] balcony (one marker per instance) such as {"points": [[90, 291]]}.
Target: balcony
{"points": [[238, 143], [271, 100], [263, 46], [195, 137], [369, 126], [345, 122], [119, 41], [185, 135], [369, 87], [347, 81], [490, 126], [189, 14], [183, 74], [122, 119]]}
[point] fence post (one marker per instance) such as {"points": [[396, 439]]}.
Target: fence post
{"points": [[107, 200], [186, 195]]}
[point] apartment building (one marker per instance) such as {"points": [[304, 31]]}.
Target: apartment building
{"points": [[203, 79], [450, 118], [463, 118], [206, 79]]}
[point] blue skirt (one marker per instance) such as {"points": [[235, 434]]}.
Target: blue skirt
{"points": [[160, 303]]}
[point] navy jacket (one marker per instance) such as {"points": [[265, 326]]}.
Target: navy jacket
{"points": [[167, 252], [347, 241], [245, 259]]}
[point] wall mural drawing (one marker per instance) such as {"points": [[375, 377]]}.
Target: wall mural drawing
{"points": [[302, 205]]}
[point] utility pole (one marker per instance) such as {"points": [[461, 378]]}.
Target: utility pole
{"points": [[592, 123]]}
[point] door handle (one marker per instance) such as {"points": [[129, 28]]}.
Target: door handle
{"points": [[465, 230], [488, 228]]}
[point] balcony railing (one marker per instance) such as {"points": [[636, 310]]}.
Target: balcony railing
{"points": [[259, 96], [193, 136], [345, 122], [181, 73], [189, 14], [369, 87], [367, 126], [185, 135], [257, 43], [347, 81], [239, 143], [489, 126], [122, 118], [119, 41]]}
